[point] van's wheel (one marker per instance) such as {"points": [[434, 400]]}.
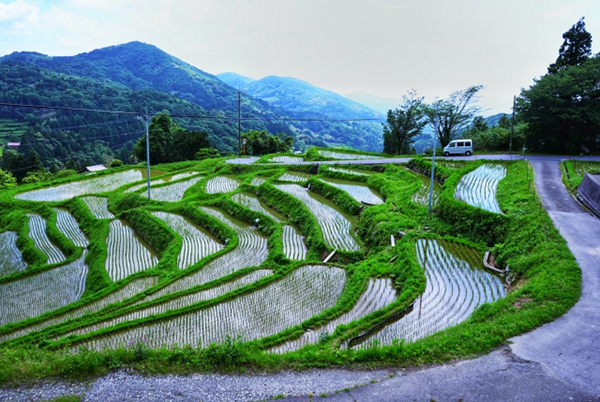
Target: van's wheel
{"points": [[446, 153], [468, 153]]}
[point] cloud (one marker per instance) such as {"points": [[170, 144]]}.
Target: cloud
{"points": [[19, 12]]}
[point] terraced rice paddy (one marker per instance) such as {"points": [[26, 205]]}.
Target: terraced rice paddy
{"points": [[257, 181], [98, 207], [294, 247], [478, 188], [379, 294], [252, 202], [69, 190], [456, 284], [221, 184], [359, 192], [294, 177], [451, 164], [345, 155], [69, 227], [11, 259], [158, 181], [335, 226], [421, 197], [37, 232], [454, 290], [267, 311], [348, 171], [178, 302], [126, 254], [197, 242], [286, 159], [128, 290], [47, 291], [172, 192], [252, 250]]}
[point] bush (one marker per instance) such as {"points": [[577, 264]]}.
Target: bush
{"points": [[206, 153], [116, 163]]}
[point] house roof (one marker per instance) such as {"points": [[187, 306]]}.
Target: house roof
{"points": [[95, 168]]}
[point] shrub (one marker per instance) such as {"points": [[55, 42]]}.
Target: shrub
{"points": [[206, 153]]}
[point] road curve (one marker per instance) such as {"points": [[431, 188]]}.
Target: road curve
{"points": [[570, 346]]}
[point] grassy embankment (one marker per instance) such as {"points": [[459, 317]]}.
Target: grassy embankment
{"points": [[547, 278], [574, 170]]}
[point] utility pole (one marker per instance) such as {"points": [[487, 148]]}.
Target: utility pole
{"points": [[146, 119], [435, 122], [512, 127], [239, 122]]}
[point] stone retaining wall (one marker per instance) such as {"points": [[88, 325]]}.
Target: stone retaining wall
{"points": [[589, 192]]}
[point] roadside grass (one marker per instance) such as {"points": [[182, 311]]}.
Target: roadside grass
{"points": [[547, 280], [574, 170]]}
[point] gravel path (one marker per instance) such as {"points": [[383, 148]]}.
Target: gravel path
{"points": [[124, 386]]}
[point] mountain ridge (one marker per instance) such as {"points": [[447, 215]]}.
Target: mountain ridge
{"points": [[300, 98]]}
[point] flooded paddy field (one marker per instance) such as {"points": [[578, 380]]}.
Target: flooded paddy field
{"points": [[231, 278]]}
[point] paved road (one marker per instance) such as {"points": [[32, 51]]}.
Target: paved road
{"points": [[559, 361], [252, 159]]}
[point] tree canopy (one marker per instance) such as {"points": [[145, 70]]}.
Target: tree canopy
{"points": [[453, 114], [563, 110], [403, 124], [262, 143], [169, 142], [576, 48], [7, 180]]}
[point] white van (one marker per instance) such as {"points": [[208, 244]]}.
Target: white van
{"points": [[459, 147]]}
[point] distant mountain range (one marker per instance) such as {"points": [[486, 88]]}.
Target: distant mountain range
{"points": [[378, 103], [136, 76], [300, 98]]}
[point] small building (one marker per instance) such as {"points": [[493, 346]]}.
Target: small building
{"points": [[13, 144], [95, 168]]}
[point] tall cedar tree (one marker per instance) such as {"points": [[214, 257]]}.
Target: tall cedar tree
{"points": [[403, 124], [576, 48]]}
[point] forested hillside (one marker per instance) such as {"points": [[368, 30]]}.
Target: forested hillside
{"points": [[136, 77], [300, 99], [59, 135]]}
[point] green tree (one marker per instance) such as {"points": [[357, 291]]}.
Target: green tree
{"points": [[15, 163], [576, 48], [403, 124], [479, 124], [504, 122], [34, 162], [7, 180], [169, 142], [161, 136], [116, 163], [186, 143], [206, 153], [261, 142], [563, 110], [453, 114]]}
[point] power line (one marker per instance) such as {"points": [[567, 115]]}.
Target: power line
{"points": [[208, 117]]}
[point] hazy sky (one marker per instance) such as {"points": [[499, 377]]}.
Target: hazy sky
{"points": [[381, 47]]}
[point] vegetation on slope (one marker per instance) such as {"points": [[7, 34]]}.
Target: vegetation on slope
{"points": [[546, 277]]}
